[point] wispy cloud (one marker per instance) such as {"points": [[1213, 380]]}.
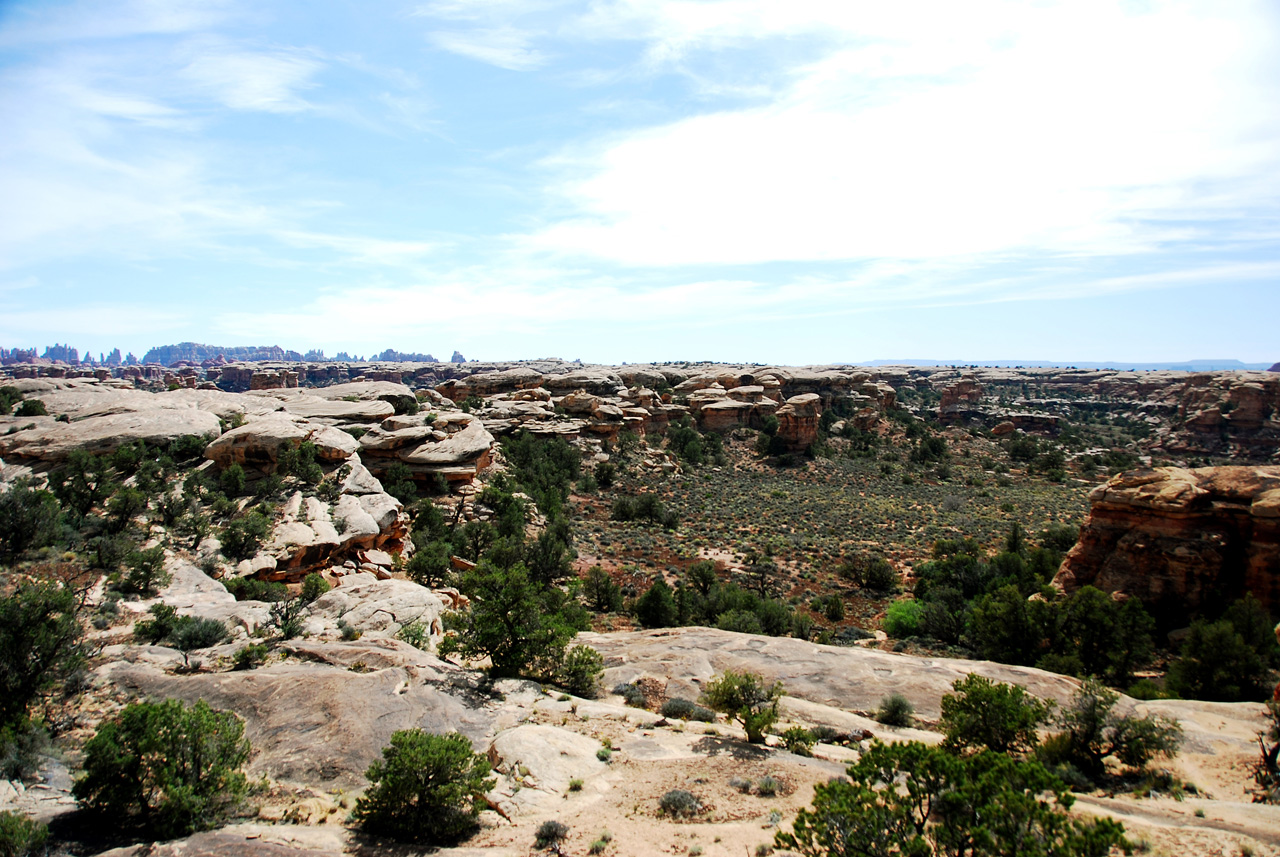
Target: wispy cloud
{"points": [[253, 80], [504, 47], [997, 129]]}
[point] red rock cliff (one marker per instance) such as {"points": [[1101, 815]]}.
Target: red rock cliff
{"points": [[1178, 538]]}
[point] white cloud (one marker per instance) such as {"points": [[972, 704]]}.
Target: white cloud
{"points": [[996, 128], [504, 47], [253, 80]]}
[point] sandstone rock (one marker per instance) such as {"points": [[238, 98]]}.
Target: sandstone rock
{"points": [[378, 607], [54, 441], [320, 724], [1175, 538], [260, 442], [798, 421]]}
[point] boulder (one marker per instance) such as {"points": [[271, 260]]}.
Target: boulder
{"points": [[259, 442], [378, 607]]}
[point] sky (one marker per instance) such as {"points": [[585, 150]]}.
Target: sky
{"points": [[805, 182]]}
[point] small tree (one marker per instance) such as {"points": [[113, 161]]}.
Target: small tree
{"points": [[40, 644], [1218, 664], [746, 698], [909, 798], [429, 566], [511, 621], [286, 617], [169, 769], [657, 607], [987, 714], [144, 571], [1095, 731], [192, 633], [313, 586], [580, 672], [426, 789], [600, 592], [243, 536]]}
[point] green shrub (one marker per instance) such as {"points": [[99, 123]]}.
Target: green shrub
{"points": [[1217, 663], [1095, 731], [144, 571], [679, 802], [23, 749], [243, 536], [21, 836], [550, 832], [253, 589], [286, 617], [983, 713], [429, 566], [767, 786], [580, 673], [250, 657], [427, 789], [799, 740], [232, 481], [31, 408], [169, 769], [519, 625], [895, 710], [600, 592], [746, 698], [28, 519], [40, 646], [415, 634], [903, 619], [313, 586], [191, 633], [909, 798], [686, 709]]}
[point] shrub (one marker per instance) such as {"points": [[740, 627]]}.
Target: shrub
{"points": [[243, 536], [286, 617], [253, 589], [313, 586], [426, 789], [31, 408], [190, 634], [144, 571], [741, 784], [604, 754], [908, 798], [415, 634], [170, 769], [686, 709], [1266, 771], [28, 519], [631, 694], [250, 656], [40, 646], [799, 740], [895, 710], [600, 592], [550, 832], [679, 802], [429, 566], [983, 713], [767, 786], [1218, 664], [746, 698], [21, 836], [1094, 731], [23, 748], [232, 481], [903, 619], [580, 672]]}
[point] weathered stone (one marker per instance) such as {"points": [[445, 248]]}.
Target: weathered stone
{"points": [[1175, 538]]}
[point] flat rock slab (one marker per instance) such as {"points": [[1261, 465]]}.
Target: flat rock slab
{"points": [[55, 441], [311, 723], [245, 840]]}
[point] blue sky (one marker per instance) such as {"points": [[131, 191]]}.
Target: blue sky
{"points": [[635, 180]]}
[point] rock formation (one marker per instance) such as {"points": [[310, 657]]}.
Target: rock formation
{"points": [[1182, 540]]}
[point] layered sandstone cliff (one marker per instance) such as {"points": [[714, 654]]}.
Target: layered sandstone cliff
{"points": [[1182, 539]]}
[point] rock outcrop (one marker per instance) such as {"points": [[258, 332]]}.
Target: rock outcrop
{"points": [[798, 421], [1182, 540]]}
